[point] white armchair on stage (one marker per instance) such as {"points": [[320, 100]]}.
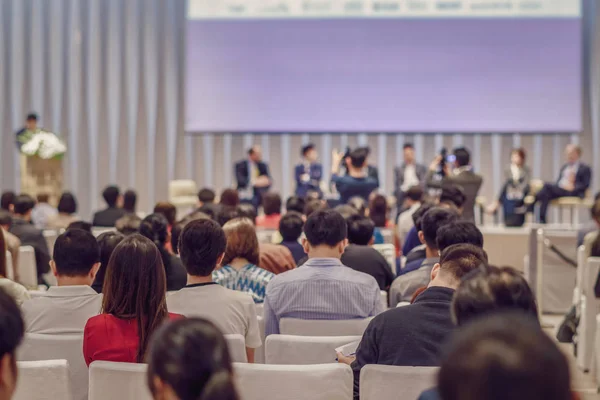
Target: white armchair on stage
{"points": [[183, 194]]}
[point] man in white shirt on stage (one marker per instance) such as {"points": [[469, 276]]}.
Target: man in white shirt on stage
{"points": [[407, 175]]}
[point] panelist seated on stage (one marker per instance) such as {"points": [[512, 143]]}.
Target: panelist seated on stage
{"points": [[252, 176], [109, 216], [574, 180], [357, 182], [309, 172]]}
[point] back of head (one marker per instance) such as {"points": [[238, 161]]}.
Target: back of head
{"points": [[325, 228], [12, 330], [230, 197], [295, 203], [75, 253], [453, 194], [43, 197], [129, 201], [290, 226], [358, 157], [168, 210], [128, 224], [107, 242], [378, 210], [67, 204], [135, 287], [458, 260], [227, 213], [111, 195], [346, 210], [415, 193], [23, 203], [360, 230], [7, 200], [314, 205], [505, 356], [433, 220], [247, 210], [418, 215], [191, 357], [201, 243], [242, 241], [155, 227], [5, 218], [359, 204], [271, 203], [206, 196], [463, 157], [82, 225], [458, 232]]}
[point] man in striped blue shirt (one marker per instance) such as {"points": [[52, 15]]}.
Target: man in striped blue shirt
{"points": [[323, 288]]}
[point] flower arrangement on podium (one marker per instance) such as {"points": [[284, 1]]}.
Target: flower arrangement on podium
{"points": [[45, 145]]}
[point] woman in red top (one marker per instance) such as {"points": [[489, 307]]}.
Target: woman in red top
{"points": [[134, 304]]}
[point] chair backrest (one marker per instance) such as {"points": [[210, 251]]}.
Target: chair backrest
{"points": [[37, 347], [260, 309], [27, 267], [385, 382], [112, 380], [237, 347], [38, 380], [182, 188], [384, 300], [50, 235], [388, 236], [581, 260], [294, 382], [588, 309], [323, 327], [303, 350], [388, 251], [259, 353], [10, 267]]}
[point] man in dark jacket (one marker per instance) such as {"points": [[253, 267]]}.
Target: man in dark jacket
{"points": [[252, 176], [109, 216]]}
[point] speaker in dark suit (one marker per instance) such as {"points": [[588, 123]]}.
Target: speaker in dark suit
{"points": [[252, 176], [309, 172]]}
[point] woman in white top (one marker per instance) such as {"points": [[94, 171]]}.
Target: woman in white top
{"points": [[67, 207], [15, 290]]}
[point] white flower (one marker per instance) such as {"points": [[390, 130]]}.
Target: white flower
{"points": [[46, 145]]}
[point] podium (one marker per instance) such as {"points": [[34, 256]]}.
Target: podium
{"points": [[42, 176]]}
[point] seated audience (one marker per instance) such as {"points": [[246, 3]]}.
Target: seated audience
{"points": [[412, 239], [107, 242], [113, 212], [228, 213], [359, 204], [453, 197], [42, 211], [272, 208], [30, 235], [295, 203], [412, 202], [168, 210], [18, 292], [84, 226], [67, 207], [275, 258], [178, 228], [229, 198], [359, 256], [128, 224], [459, 232], [129, 201], [290, 228], [314, 205], [247, 210], [323, 288], [346, 211], [133, 307], [11, 242], [206, 202], [189, 359], [417, 275], [155, 228], [356, 182], [202, 248], [413, 335], [13, 330], [240, 270], [7, 200], [65, 309], [378, 212]]}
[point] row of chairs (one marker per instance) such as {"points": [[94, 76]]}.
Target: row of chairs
{"points": [[109, 380]]}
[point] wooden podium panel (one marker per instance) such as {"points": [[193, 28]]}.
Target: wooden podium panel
{"points": [[41, 176]]}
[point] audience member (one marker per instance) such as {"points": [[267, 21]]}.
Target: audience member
{"points": [[128, 224], [107, 242], [65, 309], [413, 335], [275, 258], [189, 359], [42, 211], [202, 247], [7, 200], [346, 210], [130, 201], [356, 182], [379, 211], [453, 196], [11, 242], [359, 204], [168, 210], [295, 203], [155, 228], [228, 213], [12, 330], [18, 292], [313, 206], [418, 274], [240, 270], [178, 228], [323, 288], [229, 198], [133, 307], [67, 207], [110, 215], [412, 202], [412, 239], [206, 202], [290, 228], [272, 209], [458, 232], [247, 210], [84, 226], [28, 234]]}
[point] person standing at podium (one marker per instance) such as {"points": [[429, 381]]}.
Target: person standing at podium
{"points": [[252, 176], [30, 128], [309, 172]]}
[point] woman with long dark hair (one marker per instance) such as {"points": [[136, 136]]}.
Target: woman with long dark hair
{"points": [[189, 359], [107, 241], [156, 228], [133, 307]]}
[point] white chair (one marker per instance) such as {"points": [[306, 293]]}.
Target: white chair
{"points": [[27, 267], [589, 308], [10, 269], [388, 236], [237, 347], [384, 300], [385, 382], [183, 194], [597, 350], [314, 327], [43, 380], [302, 350], [579, 279], [264, 235], [57, 347], [294, 382], [50, 235], [260, 309], [259, 353], [112, 380], [388, 251]]}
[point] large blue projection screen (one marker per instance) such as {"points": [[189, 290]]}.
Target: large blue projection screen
{"points": [[393, 74]]}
